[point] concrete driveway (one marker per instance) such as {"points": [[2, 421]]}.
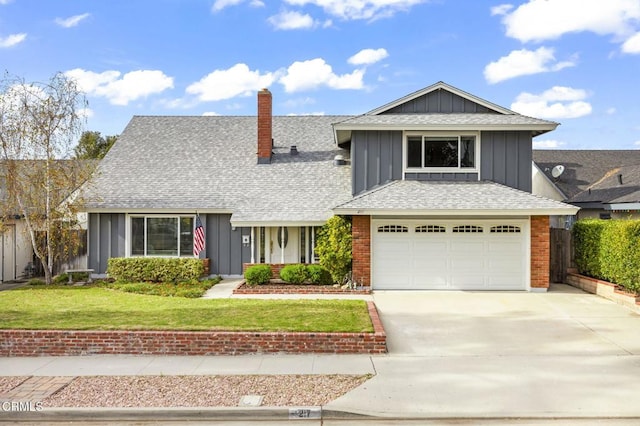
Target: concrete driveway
{"points": [[564, 353]]}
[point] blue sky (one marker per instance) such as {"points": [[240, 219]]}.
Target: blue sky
{"points": [[572, 61]]}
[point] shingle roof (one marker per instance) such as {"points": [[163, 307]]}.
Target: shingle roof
{"points": [[210, 163], [441, 197], [585, 168], [449, 119], [619, 185]]}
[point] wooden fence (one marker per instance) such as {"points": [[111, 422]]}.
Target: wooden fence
{"points": [[560, 253]]}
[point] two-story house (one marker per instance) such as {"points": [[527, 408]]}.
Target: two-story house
{"points": [[437, 185]]}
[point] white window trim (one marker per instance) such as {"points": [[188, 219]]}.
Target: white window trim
{"points": [[129, 233], [405, 152]]}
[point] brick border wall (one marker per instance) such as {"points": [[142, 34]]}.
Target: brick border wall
{"points": [[73, 342], [361, 249], [540, 246], [604, 289]]}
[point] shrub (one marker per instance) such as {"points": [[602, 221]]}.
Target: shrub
{"points": [[609, 250], [61, 279], [257, 274], [334, 247], [318, 274], [154, 269], [294, 274], [36, 281]]}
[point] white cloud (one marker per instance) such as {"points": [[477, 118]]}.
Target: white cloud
{"points": [[360, 9], [311, 74], [637, 143], [306, 114], [501, 9], [12, 40], [86, 112], [557, 102], [539, 20], [238, 80], [368, 56], [524, 62], [547, 144], [632, 44], [210, 114], [72, 21], [218, 5], [121, 90], [3, 2], [611, 111], [289, 20]]}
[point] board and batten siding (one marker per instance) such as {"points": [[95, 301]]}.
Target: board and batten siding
{"points": [[224, 248], [439, 101], [376, 159], [506, 158]]}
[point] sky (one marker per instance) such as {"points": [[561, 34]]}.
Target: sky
{"points": [[576, 62]]}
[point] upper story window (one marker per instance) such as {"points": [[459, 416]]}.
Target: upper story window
{"points": [[441, 152]]}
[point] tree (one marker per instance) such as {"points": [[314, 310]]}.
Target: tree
{"points": [[92, 145], [38, 124], [334, 247]]}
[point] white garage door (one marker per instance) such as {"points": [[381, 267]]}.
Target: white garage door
{"points": [[449, 255]]}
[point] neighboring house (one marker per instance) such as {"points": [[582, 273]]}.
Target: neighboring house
{"points": [[437, 185], [603, 183]]}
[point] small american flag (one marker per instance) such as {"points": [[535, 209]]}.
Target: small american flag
{"points": [[198, 238]]}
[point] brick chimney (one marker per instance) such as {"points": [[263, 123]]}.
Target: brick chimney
{"points": [[265, 122]]}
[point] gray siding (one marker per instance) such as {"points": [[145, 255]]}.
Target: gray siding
{"points": [[439, 101], [506, 158], [224, 247], [106, 235], [376, 158]]}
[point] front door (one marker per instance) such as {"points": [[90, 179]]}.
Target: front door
{"points": [[8, 253], [285, 244]]}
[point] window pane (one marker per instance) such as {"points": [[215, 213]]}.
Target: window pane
{"points": [[441, 152], [468, 152], [414, 151], [186, 236], [137, 236], [162, 236]]}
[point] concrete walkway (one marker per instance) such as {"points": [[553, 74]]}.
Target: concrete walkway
{"points": [[494, 355]]}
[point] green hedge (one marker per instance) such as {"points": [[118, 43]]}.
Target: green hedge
{"points": [[154, 269], [257, 274], [609, 250], [319, 274], [295, 273]]}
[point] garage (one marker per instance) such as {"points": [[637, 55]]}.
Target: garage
{"points": [[449, 254]]}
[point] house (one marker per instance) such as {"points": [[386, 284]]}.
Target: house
{"points": [[603, 183], [437, 185]]}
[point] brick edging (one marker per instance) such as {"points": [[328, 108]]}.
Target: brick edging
{"points": [[604, 289], [81, 342], [306, 289]]}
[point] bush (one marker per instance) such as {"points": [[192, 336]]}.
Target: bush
{"points": [[257, 274], [609, 250], [64, 277], [294, 273], [318, 274], [154, 269], [334, 247], [36, 281]]}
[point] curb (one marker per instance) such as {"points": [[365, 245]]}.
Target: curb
{"points": [[178, 414]]}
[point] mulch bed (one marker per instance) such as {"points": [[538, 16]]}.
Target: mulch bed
{"points": [[279, 287]]}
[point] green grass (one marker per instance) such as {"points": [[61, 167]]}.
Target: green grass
{"points": [[191, 289], [95, 308]]}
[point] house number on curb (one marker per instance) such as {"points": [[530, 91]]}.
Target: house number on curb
{"points": [[304, 413]]}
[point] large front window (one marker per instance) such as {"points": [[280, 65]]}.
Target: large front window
{"points": [[162, 236], [437, 152]]}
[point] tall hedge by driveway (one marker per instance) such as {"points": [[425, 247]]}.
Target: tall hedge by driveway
{"points": [[609, 250]]}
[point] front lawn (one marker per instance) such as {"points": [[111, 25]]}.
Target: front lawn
{"points": [[94, 308]]}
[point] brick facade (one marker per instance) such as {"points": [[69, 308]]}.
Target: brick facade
{"points": [[540, 252], [361, 249], [73, 343]]}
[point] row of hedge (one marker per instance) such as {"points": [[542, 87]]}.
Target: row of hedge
{"points": [[609, 250], [296, 273], [154, 269]]}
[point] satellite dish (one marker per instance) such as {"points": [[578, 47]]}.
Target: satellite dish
{"points": [[557, 171]]}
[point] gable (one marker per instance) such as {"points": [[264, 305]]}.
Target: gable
{"points": [[439, 101], [440, 98]]}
